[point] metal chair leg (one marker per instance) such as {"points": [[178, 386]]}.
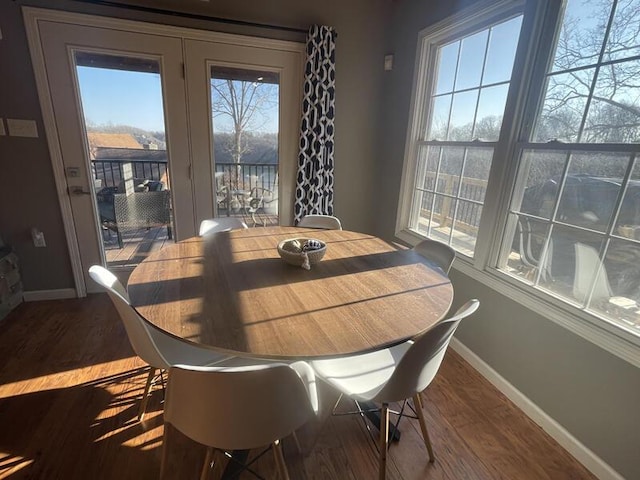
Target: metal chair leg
{"points": [[423, 427], [384, 440], [145, 395], [206, 467], [282, 467]]}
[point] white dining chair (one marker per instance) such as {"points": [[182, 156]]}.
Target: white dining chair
{"points": [[587, 264], [394, 374], [222, 224], [328, 222], [439, 253], [151, 344], [240, 408]]}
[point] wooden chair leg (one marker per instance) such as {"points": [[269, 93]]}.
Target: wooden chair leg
{"points": [[282, 467], [384, 440], [219, 464], [423, 427], [206, 467], [145, 395], [297, 442]]}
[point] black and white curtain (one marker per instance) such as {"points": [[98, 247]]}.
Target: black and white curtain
{"points": [[314, 188]]}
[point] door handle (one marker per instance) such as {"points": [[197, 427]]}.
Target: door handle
{"points": [[78, 190]]}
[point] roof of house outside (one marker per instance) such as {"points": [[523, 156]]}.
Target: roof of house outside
{"points": [[112, 140], [133, 154]]}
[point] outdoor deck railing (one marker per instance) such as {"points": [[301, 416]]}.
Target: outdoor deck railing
{"points": [[467, 217], [229, 176]]}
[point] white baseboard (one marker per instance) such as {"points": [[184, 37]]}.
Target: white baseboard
{"points": [[59, 294], [586, 457]]}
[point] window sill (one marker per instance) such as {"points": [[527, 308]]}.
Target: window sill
{"points": [[598, 331]]}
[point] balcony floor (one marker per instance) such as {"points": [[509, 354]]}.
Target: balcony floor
{"points": [[142, 242]]}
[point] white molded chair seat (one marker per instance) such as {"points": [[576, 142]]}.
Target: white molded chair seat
{"points": [[587, 264], [327, 222], [157, 348], [222, 224], [439, 253], [241, 408], [394, 374]]}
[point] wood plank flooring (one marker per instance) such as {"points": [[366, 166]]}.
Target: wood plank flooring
{"points": [[70, 386]]}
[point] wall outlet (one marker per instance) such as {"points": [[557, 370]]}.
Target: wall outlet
{"points": [[38, 238]]}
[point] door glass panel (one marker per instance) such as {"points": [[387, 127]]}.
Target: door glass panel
{"points": [[122, 105], [244, 110]]}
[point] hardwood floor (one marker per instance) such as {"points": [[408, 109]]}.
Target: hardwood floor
{"points": [[70, 387]]}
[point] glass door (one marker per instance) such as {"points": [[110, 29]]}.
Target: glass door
{"points": [[245, 125], [121, 126], [244, 105], [121, 101]]}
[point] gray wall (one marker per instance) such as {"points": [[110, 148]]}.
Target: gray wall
{"points": [[590, 392], [27, 190]]}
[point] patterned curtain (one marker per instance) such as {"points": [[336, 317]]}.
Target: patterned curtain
{"points": [[314, 188]]}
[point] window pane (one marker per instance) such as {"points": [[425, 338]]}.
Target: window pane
{"points": [[544, 173], [559, 264], [502, 51], [490, 111], [617, 288], [428, 159], [624, 37], [462, 113], [447, 62], [465, 231], [526, 247], [614, 113], [591, 189], [581, 34], [450, 170], [439, 118], [424, 202], [472, 55], [563, 108], [476, 173], [628, 221], [443, 211]]}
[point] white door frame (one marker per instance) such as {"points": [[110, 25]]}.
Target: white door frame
{"points": [[32, 17]]}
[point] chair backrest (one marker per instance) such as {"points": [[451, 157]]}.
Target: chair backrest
{"points": [[587, 264], [139, 336], [439, 253], [143, 209], [421, 362], [241, 407], [224, 224], [327, 222]]}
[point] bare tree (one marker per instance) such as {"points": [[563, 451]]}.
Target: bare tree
{"points": [[245, 104], [589, 104]]}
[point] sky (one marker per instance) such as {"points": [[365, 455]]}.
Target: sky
{"points": [[119, 97]]}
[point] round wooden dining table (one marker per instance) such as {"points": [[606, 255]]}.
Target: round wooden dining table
{"points": [[231, 291]]}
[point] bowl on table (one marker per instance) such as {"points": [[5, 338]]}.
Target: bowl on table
{"points": [[292, 250]]}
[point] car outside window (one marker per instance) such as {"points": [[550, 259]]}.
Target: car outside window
{"points": [[575, 214]]}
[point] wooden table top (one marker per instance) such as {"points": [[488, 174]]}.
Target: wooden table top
{"points": [[231, 291]]}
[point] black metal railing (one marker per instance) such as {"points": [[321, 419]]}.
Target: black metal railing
{"points": [[111, 172], [229, 176]]}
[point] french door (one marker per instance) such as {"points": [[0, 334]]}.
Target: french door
{"points": [[167, 170]]}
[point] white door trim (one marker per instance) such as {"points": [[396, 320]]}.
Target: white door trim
{"points": [[32, 17]]}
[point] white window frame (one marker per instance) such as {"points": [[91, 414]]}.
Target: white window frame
{"points": [[469, 21], [537, 36]]}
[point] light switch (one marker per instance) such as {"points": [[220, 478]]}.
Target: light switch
{"points": [[22, 128], [2, 130]]}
